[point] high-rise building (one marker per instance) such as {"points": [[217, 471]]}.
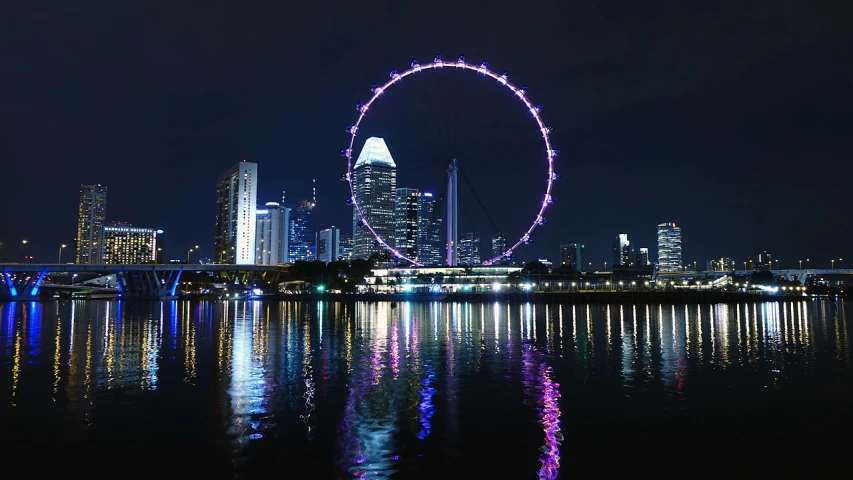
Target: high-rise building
{"points": [[643, 257], [329, 244], [236, 199], [271, 239], [374, 183], [301, 232], [724, 264], [499, 247], [406, 221], [91, 220], [669, 248], [623, 251], [765, 262], [345, 247], [469, 249], [571, 256], [430, 246], [125, 244]]}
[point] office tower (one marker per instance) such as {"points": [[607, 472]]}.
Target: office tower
{"points": [[623, 251], [301, 232], [271, 239], [452, 211], [724, 264], [499, 247], [345, 247], [571, 256], [125, 244], [469, 249], [236, 199], [91, 219], [669, 248], [765, 262], [430, 247], [643, 257], [406, 221], [328, 244], [374, 182]]}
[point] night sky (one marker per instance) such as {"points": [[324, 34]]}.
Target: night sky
{"points": [[733, 120]]}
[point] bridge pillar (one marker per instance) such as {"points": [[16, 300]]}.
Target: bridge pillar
{"points": [[148, 283], [21, 285]]}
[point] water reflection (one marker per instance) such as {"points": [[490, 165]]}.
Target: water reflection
{"points": [[391, 389]]}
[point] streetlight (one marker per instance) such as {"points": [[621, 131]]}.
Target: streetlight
{"points": [[833, 263], [23, 247], [189, 252], [60, 252], [808, 263], [801, 264]]}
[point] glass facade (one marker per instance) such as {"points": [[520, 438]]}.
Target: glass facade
{"points": [[301, 236], [236, 212], [91, 220], [669, 248], [406, 221], [271, 239], [329, 244], [571, 256], [374, 183], [127, 245], [469, 249], [430, 246], [499, 247]]}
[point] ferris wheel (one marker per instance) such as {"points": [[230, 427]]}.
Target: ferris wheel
{"points": [[520, 93]]}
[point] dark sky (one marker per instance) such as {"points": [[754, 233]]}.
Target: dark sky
{"points": [[732, 119]]}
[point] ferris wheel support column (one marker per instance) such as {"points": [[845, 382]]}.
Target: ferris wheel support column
{"points": [[452, 221]]}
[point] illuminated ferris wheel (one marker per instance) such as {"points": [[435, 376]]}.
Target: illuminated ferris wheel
{"points": [[520, 93]]}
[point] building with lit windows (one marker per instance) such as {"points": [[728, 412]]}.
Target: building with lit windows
{"points": [[91, 220], [571, 256], [271, 239], [125, 244], [431, 249], [406, 221], [374, 185], [236, 212], [469, 249], [623, 251], [643, 257], [669, 248], [345, 247], [301, 232], [499, 247], [328, 244], [724, 264]]}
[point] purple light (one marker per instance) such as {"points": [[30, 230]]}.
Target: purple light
{"points": [[502, 80]]}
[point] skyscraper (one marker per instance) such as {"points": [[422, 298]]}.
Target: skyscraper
{"points": [[669, 247], [301, 232], [374, 182], [430, 246], [406, 221], [469, 249], [236, 205], [571, 256], [271, 240], [345, 247], [623, 251], [328, 244], [125, 244], [499, 247], [643, 257], [91, 219]]}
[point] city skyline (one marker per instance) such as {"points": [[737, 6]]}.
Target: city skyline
{"points": [[677, 104]]}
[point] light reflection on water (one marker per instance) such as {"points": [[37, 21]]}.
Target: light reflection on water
{"points": [[391, 388]]}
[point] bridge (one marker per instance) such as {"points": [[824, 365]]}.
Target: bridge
{"points": [[793, 275], [25, 281]]}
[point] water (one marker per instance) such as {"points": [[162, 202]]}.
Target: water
{"points": [[424, 390]]}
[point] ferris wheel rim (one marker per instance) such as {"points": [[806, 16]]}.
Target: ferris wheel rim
{"points": [[519, 92]]}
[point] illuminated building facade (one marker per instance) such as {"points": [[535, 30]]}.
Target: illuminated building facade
{"points": [[430, 245], [669, 248], [271, 240], [128, 245], [571, 256], [91, 220], [345, 246], [374, 184], [469, 249], [499, 247], [329, 244], [623, 251], [236, 212], [406, 221], [724, 264], [301, 232], [643, 257]]}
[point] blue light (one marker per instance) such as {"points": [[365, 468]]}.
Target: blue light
{"points": [[427, 194], [12, 290], [38, 284], [175, 284]]}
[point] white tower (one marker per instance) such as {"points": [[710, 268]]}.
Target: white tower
{"points": [[452, 224]]}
